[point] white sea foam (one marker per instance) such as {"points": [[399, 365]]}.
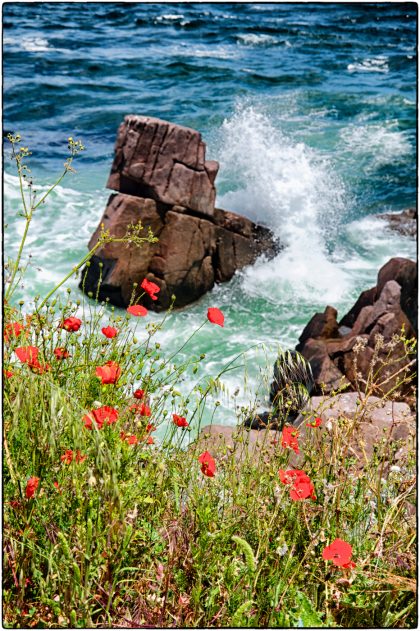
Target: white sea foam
{"points": [[384, 144], [169, 18], [376, 64], [293, 190], [35, 44], [215, 53], [254, 39]]}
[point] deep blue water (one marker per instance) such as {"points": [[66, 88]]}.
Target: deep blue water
{"points": [[310, 109]]}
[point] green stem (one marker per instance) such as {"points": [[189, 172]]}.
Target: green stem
{"points": [[53, 186], [28, 217], [15, 269], [70, 274]]}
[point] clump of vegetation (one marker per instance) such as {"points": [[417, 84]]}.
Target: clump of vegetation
{"points": [[107, 525]]}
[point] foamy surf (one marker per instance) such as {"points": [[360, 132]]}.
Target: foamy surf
{"points": [[377, 64], [293, 190]]}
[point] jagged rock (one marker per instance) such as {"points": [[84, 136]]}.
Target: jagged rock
{"points": [[322, 325], [165, 162], [383, 310], [190, 256], [404, 222], [404, 272], [366, 299], [327, 376]]}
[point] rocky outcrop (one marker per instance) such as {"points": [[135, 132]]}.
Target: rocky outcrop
{"points": [[404, 222], [341, 353], [363, 427], [192, 252], [165, 162], [164, 182]]}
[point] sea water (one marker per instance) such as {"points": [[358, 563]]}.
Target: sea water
{"points": [[310, 110]]}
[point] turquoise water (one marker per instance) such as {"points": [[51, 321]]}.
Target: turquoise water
{"points": [[310, 110]]}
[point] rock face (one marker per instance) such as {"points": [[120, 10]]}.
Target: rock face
{"points": [[333, 348], [165, 162], [387, 426], [164, 182], [404, 222], [192, 252]]}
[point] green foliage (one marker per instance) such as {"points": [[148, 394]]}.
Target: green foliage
{"points": [[121, 533]]}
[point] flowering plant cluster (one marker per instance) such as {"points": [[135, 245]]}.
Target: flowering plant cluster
{"points": [[117, 511]]}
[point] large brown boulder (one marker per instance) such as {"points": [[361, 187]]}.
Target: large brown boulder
{"points": [[165, 162], [191, 254], [367, 337]]}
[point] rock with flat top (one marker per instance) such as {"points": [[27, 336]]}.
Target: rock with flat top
{"points": [[165, 162]]}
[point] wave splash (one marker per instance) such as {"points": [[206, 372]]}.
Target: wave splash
{"points": [[293, 190]]}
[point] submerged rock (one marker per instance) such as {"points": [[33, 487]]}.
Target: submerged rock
{"points": [[404, 222]]}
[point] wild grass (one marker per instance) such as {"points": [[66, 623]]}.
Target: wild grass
{"points": [[134, 534]]}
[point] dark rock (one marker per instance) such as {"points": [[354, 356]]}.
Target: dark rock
{"points": [[264, 420], [322, 325], [404, 222], [163, 161], [366, 299], [326, 375], [405, 273], [191, 254]]}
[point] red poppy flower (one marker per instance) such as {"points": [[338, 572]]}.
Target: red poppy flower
{"points": [[61, 353], [215, 316], [138, 394], [150, 428], [8, 373], [137, 310], [31, 487], [104, 414], [57, 486], [301, 490], [39, 368], [293, 475], [132, 440], [149, 440], [109, 332], [71, 324], [180, 421], [110, 373], [12, 329], [150, 288], [79, 457], [301, 485], [208, 465], [142, 409], [27, 354], [67, 458], [339, 552], [289, 438], [315, 423]]}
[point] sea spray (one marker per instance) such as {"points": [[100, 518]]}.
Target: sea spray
{"points": [[292, 189]]}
